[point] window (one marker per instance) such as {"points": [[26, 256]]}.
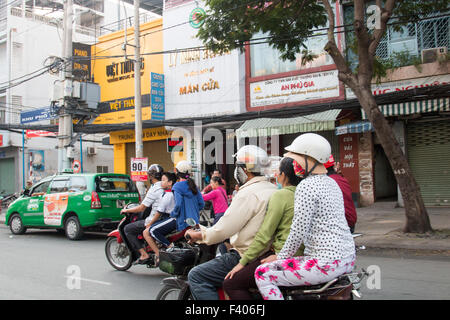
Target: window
{"points": [[77, 184], [40, 188], [59, 186], [102, 169], [111, 183]]}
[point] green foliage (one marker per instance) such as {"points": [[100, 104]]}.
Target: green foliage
{"points": [[229, 24]]}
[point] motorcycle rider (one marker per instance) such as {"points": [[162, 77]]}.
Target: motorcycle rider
{"points": [[350, 210], [273, 231], [150, 202], [240, 223], [319, 223]]}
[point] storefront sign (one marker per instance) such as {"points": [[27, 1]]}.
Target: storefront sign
{"points": [[81, 65], [147, 135], [307, 87], [402, 85], [116, 75], [175, 144], [139, 169], [157, 96], [4, 139], [36, 115], [198, 83], [348, 147], [38, 133]]}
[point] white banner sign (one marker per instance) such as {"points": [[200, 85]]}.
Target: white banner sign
{"points": [[299, 88], [401, 85], [198, 83]]}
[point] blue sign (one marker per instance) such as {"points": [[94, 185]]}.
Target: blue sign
{"points": [[36, 115], [157, 96]]}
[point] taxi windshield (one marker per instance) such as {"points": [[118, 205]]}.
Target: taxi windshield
{"points": [[114, 184]]}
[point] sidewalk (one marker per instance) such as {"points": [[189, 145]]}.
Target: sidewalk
{"points": [[381, 226]]}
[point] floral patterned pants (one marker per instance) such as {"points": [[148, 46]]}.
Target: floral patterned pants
{"points": [[297, 271]]}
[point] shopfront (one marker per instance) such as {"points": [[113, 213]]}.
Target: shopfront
{"points": [[201, 84]]}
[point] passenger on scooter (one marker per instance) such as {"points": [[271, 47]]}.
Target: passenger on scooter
{"points": [[273, 232], [162, 224], [188, 198], [240, 223], [319, 223], [151, 200], [350, 210]]}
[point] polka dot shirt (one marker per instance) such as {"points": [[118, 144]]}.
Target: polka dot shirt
{"points": [[319, 222]]}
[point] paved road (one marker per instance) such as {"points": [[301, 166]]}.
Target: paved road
{"points": [[37, 265]]}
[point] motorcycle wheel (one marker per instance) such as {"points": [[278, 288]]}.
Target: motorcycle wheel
{"points": [[174, 293], [118, 254]]}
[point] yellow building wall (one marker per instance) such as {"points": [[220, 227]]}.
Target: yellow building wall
{"points": [[114, 73]]}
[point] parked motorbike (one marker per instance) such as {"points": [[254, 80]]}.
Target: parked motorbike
{"points": [[119, 251], [7, 199], [179, 262]]}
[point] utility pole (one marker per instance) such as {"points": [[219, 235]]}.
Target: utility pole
{"points": [[137, 93], [65, 119]]}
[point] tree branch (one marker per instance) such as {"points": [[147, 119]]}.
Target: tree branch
{"points": [[386, 14], [345, 73], [365, 70]]}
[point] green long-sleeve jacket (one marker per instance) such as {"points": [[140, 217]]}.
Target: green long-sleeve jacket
{"points": [[276, 225]]}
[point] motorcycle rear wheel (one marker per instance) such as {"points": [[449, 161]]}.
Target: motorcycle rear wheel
{"points": [[169, 292], [118, 254]]}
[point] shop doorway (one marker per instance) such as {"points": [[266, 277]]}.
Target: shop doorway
{"points": [[385, 182]]}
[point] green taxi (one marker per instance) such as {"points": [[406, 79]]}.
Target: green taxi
{"points": [[72, 203]]}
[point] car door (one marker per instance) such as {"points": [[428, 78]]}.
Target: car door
{"points": [[55, 202], [35, 204]]}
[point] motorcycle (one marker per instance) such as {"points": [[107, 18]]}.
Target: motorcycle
{"points": [[344, 287], [119, 251], [8, 199]]}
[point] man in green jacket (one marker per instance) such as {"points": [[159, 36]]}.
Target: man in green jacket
{"points": [[270, 237]]}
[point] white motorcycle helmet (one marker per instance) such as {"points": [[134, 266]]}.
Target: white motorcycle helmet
{"points": [[312, 145], [184, 167], [253, 158]]}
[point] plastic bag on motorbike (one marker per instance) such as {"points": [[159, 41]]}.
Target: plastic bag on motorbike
{"points": [[177, 261]]}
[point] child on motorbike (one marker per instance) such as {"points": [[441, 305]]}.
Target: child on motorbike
{"points": [[162, 224], [319, 223], [274, 229]]}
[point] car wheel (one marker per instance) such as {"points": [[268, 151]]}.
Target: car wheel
{"points": [[73, 228], [16, 225]]}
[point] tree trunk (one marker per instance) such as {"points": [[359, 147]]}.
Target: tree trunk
{"points": [[417, 220]]}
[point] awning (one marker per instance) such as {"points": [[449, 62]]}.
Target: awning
{"points": [[424, 106], [262, 127], [355, 127]]}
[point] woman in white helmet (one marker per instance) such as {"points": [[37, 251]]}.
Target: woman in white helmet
{"points": [[319, 223], [240, 223]]}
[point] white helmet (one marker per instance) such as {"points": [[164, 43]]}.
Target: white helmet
{"points": [[184, 167], [253, 158], [312, 145]]}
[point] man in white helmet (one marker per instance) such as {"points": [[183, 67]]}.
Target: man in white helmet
{"points": [[148, 205], [240, 223]]}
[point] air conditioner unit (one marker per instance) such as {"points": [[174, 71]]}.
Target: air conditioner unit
{"points": [[91, 151], [433, 54]]}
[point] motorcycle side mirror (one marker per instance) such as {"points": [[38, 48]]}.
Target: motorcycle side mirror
{"points": [[191, 222]]}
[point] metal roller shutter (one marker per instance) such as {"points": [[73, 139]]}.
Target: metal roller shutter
{"points": [[428, 145]]}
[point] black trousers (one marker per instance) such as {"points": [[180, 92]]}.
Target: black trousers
{"points": [[132, 231]]}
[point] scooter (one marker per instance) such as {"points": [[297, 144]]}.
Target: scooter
{"points": [[118, 249], [344, 287]]}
